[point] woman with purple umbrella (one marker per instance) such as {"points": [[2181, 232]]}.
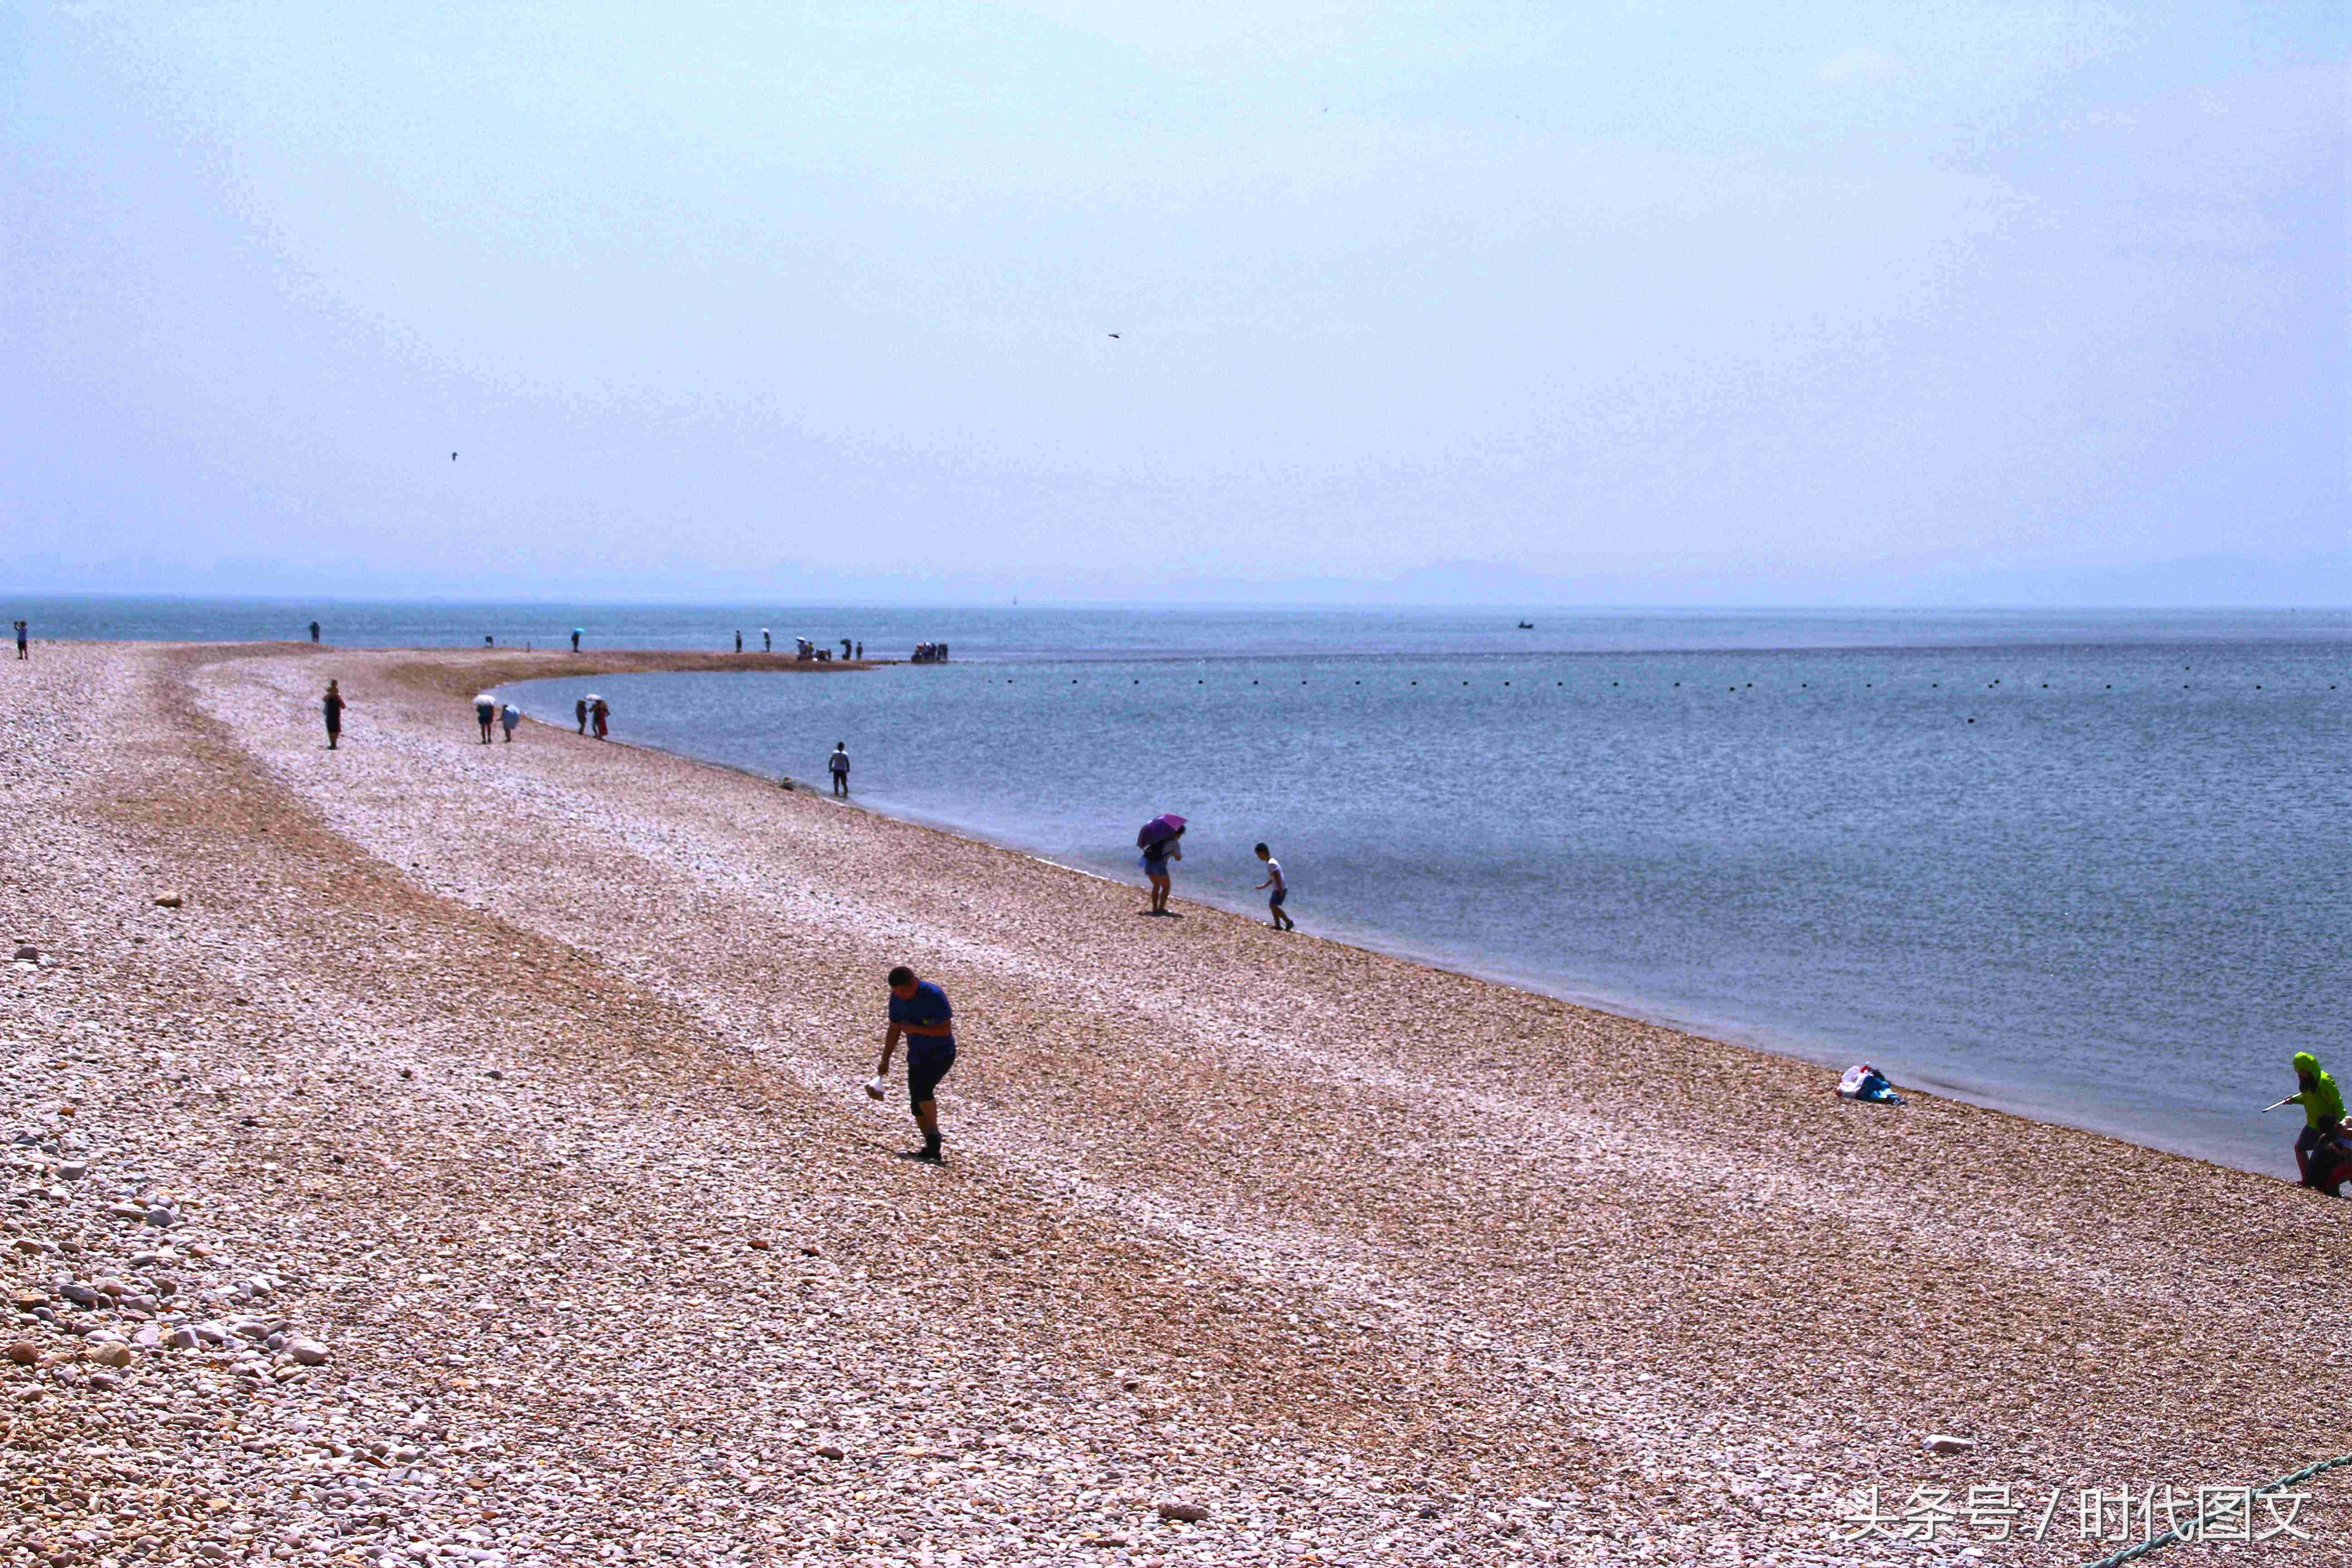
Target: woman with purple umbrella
{"points": [[1158, 842]]}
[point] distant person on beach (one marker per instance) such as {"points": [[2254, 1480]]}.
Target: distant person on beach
{"points": [[838, 765], [21, 639], [920, 1011], [2318, 1148], [1280, 920], [1155, 856], [333, 703], [485, 714], [508, 717], [314, 631], [738, 639], [576, 642], [599, 715], [767, 643], [861, 650], [580, 711]]}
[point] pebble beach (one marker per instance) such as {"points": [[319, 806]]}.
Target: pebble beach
{"points": [[432, 1152]]}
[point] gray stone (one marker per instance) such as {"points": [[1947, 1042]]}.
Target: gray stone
{"points": [[183, 1338], [1944, 1443], [307, 1352], [1186, 1512]]}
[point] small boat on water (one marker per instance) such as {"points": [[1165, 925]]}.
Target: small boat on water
{"points": [[1527, 625]]}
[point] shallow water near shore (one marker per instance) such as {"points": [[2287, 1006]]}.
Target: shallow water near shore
{"points": [[2087, 869]]}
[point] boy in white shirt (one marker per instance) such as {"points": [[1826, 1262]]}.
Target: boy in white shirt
{"points": [[1281, 922]]}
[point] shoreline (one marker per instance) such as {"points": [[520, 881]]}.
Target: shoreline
{"points": [[526, 1077], [1769, 1040]]}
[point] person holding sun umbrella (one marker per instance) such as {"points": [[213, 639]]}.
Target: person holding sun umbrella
{"points": [[1160, 841]]}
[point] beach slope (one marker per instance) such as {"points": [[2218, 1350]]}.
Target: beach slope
{"points": [[523, 1081]]}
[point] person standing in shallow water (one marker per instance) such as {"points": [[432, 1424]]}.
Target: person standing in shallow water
{"points": [[1155, 856], [920, 1011], [314, 631], [333, 704], [838, 765], [1278, 916]]}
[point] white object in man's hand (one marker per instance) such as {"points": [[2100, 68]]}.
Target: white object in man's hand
{"points": [[873, 1087]]}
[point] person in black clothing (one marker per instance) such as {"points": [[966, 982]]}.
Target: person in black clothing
{"points": [[314, 631], [920, 1011], [20, 640], [334, 705]]}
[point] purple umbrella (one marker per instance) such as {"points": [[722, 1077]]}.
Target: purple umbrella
{"points": [[1167, 825]]}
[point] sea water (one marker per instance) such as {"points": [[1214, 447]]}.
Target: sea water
{"points": [[2087, 866]]}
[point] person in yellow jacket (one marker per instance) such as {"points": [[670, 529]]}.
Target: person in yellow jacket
{"points": [[2319, 1147]]}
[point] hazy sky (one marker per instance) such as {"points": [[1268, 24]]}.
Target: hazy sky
{"points": [[1685, 301]]}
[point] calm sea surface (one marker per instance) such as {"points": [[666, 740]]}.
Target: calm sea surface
{"points": [[2091, 867]]}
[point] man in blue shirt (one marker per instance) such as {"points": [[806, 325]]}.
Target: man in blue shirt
{"points": [[920, 1011]]}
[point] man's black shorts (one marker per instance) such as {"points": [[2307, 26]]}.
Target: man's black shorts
{"points": [[928, 1061]]}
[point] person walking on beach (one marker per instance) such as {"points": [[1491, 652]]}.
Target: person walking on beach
{"points": [[508, 717], [738, 639], [837, 764], [576, 639], [580, 711], [21, 639], [485, 714], [314, 631], [1155, 856], [333, 703], [767, 643], [919, 1011], [600, 714], [1279, 920], [2318, 1147]]}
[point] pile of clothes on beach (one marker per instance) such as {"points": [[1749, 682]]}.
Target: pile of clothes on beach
{"points": [[1864, 1081]]}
